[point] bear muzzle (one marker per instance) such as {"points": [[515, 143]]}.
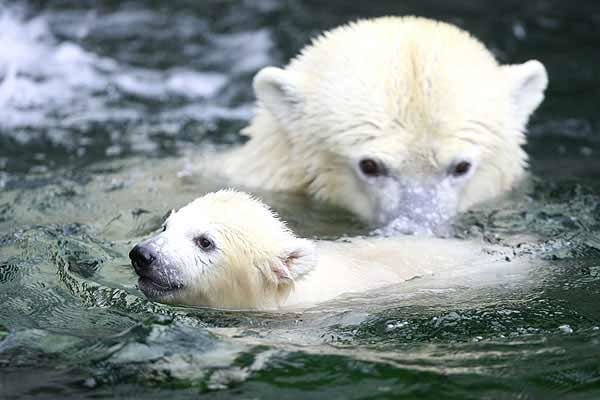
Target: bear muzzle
{"points": [[155, 279], [142, 259]]}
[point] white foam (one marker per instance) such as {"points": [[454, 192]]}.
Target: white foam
{"points": [[251, 49], [178, 82], [39, 76], [142, 83], [44, 82], [193, 84]]}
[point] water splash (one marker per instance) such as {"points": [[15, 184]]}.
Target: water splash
{"points": [[40, 76], [53, 89]]}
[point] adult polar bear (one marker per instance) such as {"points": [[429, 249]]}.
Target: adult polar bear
{"points": [[228, 250], [395, 117]]}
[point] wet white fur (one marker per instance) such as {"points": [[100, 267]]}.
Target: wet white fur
{"points": [[417, 94], [258, 263]]}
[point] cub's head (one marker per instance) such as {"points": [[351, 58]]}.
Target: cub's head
{"points": [[224, 250], [402, 119]]}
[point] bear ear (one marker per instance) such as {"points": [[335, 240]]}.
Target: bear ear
{"points": [[528, 82], [278, 91], [296, 260]]}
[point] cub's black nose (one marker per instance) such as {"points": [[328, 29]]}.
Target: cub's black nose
{"points": [[141, 258]]}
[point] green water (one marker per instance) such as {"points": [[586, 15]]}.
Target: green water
{"points": [[107, 106]]}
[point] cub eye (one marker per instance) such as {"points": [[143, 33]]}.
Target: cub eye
{"points": [[204, 243], [461, 168], [163, 228], [370, 167]]}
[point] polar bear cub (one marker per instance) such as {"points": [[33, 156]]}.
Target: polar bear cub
{"points": [[229, 250], [394, 117]]}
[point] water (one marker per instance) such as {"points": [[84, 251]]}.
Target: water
{"points": [[103, 109]]}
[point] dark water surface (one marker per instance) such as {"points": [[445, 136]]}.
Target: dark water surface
{"points": [[103, 106]]}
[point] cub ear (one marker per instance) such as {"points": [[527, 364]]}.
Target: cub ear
{"points": [[528, 82], [278, 90], [296, 260]]}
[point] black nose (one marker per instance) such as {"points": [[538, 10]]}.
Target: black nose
{"points": [[141, 258]]}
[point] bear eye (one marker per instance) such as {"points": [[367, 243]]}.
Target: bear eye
{"points": [[204, 243], [370, 167], [461, 168]]}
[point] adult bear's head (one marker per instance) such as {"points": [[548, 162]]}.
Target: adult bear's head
{"points": [[396, 118]]}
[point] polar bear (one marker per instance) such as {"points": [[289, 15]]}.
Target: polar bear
{"points": [[394, 117], [229, 250]]}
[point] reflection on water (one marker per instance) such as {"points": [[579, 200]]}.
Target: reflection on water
{"points": [[103, 110]]}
